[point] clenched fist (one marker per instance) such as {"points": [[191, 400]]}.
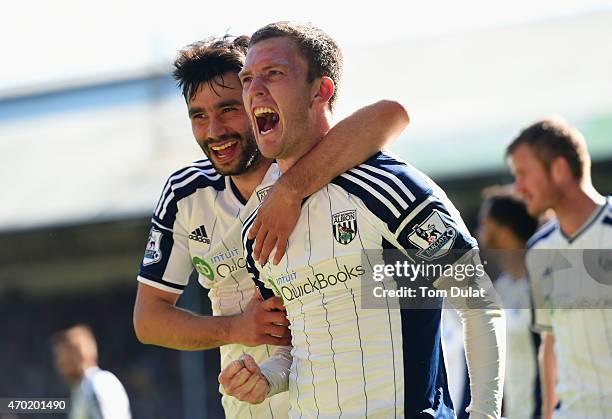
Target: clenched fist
{"points": [[243, 380]]}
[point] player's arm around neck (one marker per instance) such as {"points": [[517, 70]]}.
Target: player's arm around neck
{"points": [[158, 321], [349, 143]]}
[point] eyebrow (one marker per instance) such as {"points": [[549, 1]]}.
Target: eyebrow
{"points": [[220, 105], [280, 63], [193, 111], [229, 102]]}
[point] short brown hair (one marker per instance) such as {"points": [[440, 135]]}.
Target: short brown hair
{"points": [[554, 137], [320, 50], [204, 61]]}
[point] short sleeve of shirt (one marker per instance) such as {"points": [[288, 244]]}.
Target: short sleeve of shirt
{"points": [[166, 264], [435, 230], [536, 267]]}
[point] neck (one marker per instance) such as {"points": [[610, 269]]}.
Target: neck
{"points": [[514, 256], [515, 266], [576, 206], [247, 182], [315, 134]]}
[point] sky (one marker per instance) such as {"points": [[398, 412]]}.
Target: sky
{"points": [[49, 42]]}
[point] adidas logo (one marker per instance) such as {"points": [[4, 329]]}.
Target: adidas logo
{"points": [[199, 234]]}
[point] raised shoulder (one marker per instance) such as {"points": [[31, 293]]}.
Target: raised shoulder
{"points": [[184, 182]]}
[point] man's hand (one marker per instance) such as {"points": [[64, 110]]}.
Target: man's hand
{"points": [[262, 322], [275, 221], [244, 380]]}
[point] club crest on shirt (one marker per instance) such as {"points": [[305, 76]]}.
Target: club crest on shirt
{"points": [[153, 252], [344, 226], [433, 236], [261, 193]]}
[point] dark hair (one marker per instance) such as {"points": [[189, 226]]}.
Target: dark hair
{"points": [[323, 55], [203, 61], [81, 329], [511, 212], [552, 138]]}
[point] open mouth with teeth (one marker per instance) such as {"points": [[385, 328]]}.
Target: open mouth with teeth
{"points": [[224, 151], [266, 118]]}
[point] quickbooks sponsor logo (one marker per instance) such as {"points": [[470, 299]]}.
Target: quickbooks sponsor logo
{"points": [[286, 278], [320, 282], [227, 263], [224, 256], [203, 267], [231, 266]]}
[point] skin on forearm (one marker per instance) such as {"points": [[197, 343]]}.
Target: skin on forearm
{"points": [[548, 375], [365, 132], [158, 321]]}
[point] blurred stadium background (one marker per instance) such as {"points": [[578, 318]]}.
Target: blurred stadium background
{"points": [[83, 160]]}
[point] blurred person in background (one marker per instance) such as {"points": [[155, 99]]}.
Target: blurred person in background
{"points": [[552, 168], [95, 393], [199, 215], [504, 227]]}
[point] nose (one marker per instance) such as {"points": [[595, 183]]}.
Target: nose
{"points": [[519, 186], [216, 128], [256, 87]]}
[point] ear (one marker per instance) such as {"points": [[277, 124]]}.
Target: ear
{"points": [[325, 89], [560, 171]]}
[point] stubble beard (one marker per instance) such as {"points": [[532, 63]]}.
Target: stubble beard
{"points": [[249, 158]]}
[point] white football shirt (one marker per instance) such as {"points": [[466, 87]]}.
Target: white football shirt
{"points": [[99, 395], [196, 225], [350, 361], [521, 386], [572, 294]]}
